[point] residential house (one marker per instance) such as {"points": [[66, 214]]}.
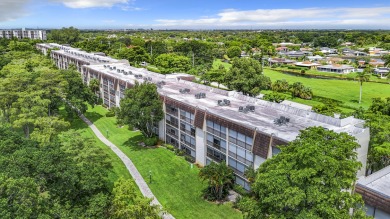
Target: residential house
{"points": [[307, 64], [315, 58], [327, 50], [280, 61], [334, 60], [336, 68], [382, 72], [377, 63]]}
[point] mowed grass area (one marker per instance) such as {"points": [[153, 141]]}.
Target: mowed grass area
{"points": [[342, 90], [218, 62], [175, 184], [118, 168]]}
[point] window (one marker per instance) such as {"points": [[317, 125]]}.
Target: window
{"points": [[238, 167], [216, 142], [187, 116], [216, 129], [275, 151], [215, 155], [240, 154], [240, 139]]}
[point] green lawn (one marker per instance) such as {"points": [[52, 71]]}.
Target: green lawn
{"points": [[118, 168], [174, 183], [218, 62], [342, 90]]}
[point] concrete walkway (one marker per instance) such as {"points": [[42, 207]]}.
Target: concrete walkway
{"points": [[145, 190]]}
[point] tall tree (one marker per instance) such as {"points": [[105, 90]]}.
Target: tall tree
{"points": [[220, 179], [135, 55], [362, 77], [142, 108], [312, 177], [171, 62], [233, 52], [246, 75], [127, 203]]}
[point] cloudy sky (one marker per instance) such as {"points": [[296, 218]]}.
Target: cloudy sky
{"points": [[196, 14]]}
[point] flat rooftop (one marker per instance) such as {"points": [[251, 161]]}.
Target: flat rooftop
{"points": [[261, 119], [85, 56], [378, 182]]}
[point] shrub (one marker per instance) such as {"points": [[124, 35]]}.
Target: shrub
{"points": [[151, 141], [153, 69], [239, 189], [170, 147], [274, 97], [303, 71], [111, 112], [189, 158], [179, 152]]}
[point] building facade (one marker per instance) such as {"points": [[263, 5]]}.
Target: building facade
{"points": [[23, 33], [209, 124], [375, 190]]}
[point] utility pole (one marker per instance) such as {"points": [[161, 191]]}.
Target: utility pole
{"points": [[151, 50]]}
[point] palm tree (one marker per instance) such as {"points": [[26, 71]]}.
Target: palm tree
{"points": [[220, 179], [363, 77]]}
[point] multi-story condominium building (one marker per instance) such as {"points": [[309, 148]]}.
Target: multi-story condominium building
{"points": [[23, 33], [209, 124], [375, 190]]}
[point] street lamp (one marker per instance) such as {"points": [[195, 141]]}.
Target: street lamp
{"points": [[107, 132], [150, 176]]}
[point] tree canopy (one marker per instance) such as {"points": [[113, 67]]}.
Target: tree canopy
{"points": [[312, 177], [141, 108], [246, 75]]}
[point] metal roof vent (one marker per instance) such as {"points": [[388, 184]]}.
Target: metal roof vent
{"points": [[224, 102], [184, 91], [282, 120]]}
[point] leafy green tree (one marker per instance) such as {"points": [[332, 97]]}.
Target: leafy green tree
{"points": [[142, 108], [312, 177], [135, 55], [19, 46], [379, 150], [199, 52], [246, 75], [233, 52], [156, 48], [215, 75], [171, 62], [220, 179], [362, 77], [20, 198], [65, 35], [127, 203], [46, 129], [28, 108], [76, 92]]}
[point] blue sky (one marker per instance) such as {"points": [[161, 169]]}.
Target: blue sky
{"points": [[200, 14]]}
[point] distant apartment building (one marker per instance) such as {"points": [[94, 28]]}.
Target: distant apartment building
{"points": [[23, 33], [209, 124]]}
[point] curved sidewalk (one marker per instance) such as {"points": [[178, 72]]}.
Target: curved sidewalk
{"points": [[143, 187]]}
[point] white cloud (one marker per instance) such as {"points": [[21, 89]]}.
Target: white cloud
{"points": [[377, 17], [131, 8], [12, 9], [91, 3]]}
